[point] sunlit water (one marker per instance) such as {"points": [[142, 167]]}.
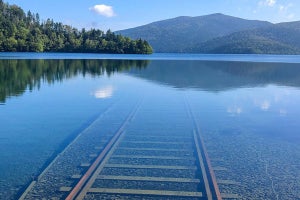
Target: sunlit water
{"points": [[248, 113]]}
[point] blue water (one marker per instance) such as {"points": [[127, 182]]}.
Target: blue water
{"points": [[247, 107], [158, 56]]}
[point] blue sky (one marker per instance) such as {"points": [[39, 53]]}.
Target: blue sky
{"points": [[122, 14]]}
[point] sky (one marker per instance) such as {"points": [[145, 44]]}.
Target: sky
{"points": [[123, 14]]}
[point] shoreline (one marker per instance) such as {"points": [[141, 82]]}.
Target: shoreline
{"points": [[268, 58]]}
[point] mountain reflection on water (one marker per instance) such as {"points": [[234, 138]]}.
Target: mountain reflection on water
{"points": [[220, 75], [18, 75]]}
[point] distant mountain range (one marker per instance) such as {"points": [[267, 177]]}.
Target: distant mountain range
{"points": [[218, 33]]}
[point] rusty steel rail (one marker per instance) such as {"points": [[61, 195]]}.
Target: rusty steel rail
{"points": [[83, 180], [33, 183], [203, 155], [211, 189]]}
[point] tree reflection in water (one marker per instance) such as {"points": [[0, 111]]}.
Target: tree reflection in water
{"points": [[18, 75]]}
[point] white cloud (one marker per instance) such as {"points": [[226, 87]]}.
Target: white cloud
{"points": [[283, 112], [103, 10], [285, 8], [103, 93], [234, 110], [282, 8], [265, 105], [269, 3], [291, 16], [284, 11], [262, 104]]}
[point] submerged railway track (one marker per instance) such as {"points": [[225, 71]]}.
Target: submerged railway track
{"points": [[148, 155]]}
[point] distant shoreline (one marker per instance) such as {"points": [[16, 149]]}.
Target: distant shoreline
{"points": [[154, 56]]}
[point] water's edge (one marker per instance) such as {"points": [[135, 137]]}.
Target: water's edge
{"points": [[156, 56]]}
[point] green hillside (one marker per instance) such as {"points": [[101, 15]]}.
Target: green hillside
{"points": [[179, 34], [218, 33], [275, 39]]}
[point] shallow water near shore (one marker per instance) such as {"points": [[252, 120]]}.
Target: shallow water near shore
{"points": [[248, 114]]}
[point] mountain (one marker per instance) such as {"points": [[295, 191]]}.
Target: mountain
{"points": [[218, 33], [178, 34], [281, 38]]}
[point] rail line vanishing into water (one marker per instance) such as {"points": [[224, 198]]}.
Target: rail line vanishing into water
{"points": [[200, 145], [162, 158], [91, 171]]}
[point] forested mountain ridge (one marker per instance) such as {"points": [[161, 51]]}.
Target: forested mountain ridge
{"points": [[283, 38], [220, 33], [271, 40], [20, 32], [178, 34]]}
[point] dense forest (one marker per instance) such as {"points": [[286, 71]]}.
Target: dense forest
{"points": [[275, 39], [21, 32]]}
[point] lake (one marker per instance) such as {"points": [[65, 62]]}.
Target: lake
{"points": [[245, 108]]}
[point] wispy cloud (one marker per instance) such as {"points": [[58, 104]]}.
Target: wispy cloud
{"points": [[283, 112], [284, 10], [234, 110], [290, 16], [103, 10], [265, 105], [280, 11], [269, 3]]}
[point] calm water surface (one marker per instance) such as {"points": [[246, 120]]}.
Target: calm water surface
{"points": [[248, 112]]}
